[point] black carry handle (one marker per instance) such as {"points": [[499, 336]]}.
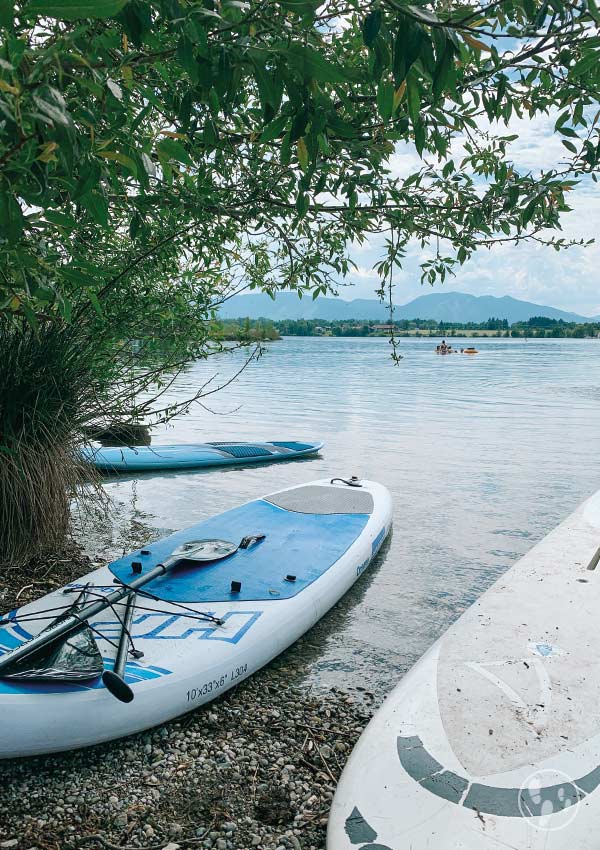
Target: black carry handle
{"points": [[250, 540], [353, 482]]}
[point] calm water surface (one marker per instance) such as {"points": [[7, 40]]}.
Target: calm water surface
{"points": [[483, 456]]}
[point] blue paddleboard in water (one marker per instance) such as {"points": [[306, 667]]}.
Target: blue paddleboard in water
{"points": [[195, 455]]}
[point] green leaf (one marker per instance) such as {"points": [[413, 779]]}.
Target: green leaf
{"points": [[274, 129], [512, 197], [585, 64], [55, 113], [324, 146], [423, 15], [302, 204], [569, 146], [304, 8], [213, 102], [65, 308], [122, 158], [409, 43], [11, 218], [286, 150], [385, 99], [114, 89], [302, 153], [89, 175], [29, 315], [60, 219], [172, 149], [268, 93], [7, 13], [413, 98], [70, 10], [97, 206], [371, 26], [314, 66], [419, 129], [443, 69], [299, 125], [95, 303]]}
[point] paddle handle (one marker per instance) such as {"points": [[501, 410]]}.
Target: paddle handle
{"points": [[114, 680]]}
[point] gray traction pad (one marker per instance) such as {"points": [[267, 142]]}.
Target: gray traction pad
{"points": [[316, 499]]}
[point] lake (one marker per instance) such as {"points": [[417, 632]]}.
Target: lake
{"points": [[483, 455]]}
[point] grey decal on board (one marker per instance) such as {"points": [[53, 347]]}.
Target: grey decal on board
{"points": [[489, 799], [357, 829], [447, 785]]}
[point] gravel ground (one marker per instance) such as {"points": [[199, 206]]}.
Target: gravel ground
{"points": [[21, 583], [255, 769]]}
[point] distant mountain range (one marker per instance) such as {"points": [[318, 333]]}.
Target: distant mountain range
{"points": [[441, 306]]}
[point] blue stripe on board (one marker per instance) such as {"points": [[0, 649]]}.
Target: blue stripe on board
{"points": [[134, 672]]}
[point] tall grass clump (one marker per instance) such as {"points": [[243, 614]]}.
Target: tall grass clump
{"points": [[46, 387], [60, 384]]}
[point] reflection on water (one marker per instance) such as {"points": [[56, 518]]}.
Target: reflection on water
{"points": [[483, 455]]}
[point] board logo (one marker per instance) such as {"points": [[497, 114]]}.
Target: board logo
{"points": [[545, 793], [160, 626]]}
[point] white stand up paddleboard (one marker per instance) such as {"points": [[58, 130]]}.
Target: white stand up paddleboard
{"points": [[273, 567], [492, 740]]}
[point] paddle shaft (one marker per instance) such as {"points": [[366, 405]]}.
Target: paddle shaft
{"points": [[72, 622], [114, 680], [123, 650]]}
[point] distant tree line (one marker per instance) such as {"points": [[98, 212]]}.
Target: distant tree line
{"points": [[242, 330], [536, 327]]}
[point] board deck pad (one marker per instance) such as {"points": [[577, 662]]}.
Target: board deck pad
{"points": [[303, 544]]}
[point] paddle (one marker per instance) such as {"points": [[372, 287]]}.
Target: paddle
{"points": [[196, 551], [114, 679]]}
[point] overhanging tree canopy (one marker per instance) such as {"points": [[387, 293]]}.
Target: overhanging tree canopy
{"points": [[157, 156], [211, 144]]}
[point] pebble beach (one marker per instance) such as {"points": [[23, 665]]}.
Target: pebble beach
{"points": [[255, 769]]}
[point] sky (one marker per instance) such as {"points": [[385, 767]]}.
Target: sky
{"points": [[566, 279]]}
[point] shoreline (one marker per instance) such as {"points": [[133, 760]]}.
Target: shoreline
{"points": [[256, 768]]}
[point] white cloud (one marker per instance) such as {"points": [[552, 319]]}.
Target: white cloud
{"points": [[566, 279]]}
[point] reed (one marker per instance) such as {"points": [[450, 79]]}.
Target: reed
{"points": [[46, 388]]}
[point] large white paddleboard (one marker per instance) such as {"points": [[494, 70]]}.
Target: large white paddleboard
{"points": [[319, 538], [492, 740]]}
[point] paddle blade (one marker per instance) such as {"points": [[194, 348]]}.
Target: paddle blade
{"points": [[117, 686], [71, 658], [202, 550]]}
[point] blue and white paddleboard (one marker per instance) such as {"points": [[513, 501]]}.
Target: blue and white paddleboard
{"points": [[492, 740], [195, 455], [319, 538]]}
